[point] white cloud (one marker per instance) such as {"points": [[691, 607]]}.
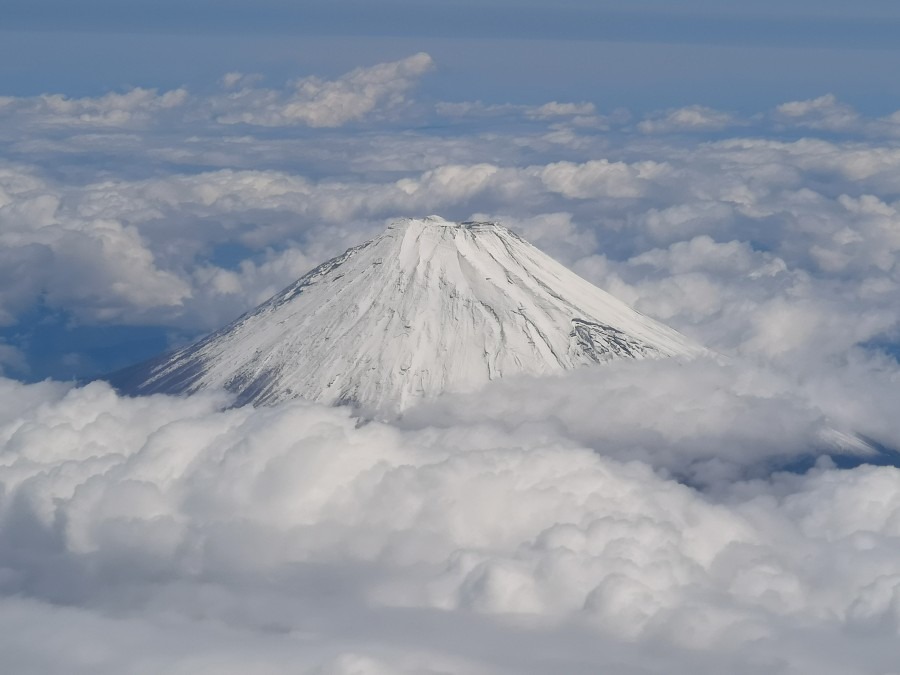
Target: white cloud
{"points": [[557, 109], [322, 103], [695, 118], [259, 533], [236, 79], [45, 249], [601, 178], [749, 302], [706, 421], [824, 112], [134, 107], [308, 101]]}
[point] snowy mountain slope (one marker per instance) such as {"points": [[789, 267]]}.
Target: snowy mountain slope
{"points": [[426, 307]]}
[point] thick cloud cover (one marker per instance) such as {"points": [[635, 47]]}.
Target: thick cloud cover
{"points": [[293, 537], [655, 517]]}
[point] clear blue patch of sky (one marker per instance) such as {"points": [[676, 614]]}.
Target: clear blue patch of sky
{"points": [[888, 344], [56, 347], [229, 255]]}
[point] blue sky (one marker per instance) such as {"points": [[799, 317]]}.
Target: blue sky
{"points": [[642, 54]]}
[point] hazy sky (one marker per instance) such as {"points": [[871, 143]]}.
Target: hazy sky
{"points": [[639, 54]]}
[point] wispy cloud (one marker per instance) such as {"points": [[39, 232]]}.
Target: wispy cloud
{"points": [[320, 103], [308, 101], [695, 118]]}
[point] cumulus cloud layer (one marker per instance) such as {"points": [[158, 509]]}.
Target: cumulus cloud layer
{"points": [[779, 249], [237, 539]]}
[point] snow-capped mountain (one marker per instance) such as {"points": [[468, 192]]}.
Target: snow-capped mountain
{"points": [[428, 306]]}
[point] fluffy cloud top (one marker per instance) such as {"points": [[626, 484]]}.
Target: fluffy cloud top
{"points": [[44, 246], [259, 533]]}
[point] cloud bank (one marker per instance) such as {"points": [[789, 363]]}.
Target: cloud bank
{"points": [[212, 538]]}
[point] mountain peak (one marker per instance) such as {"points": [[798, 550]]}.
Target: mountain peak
{"points": [[435, 225], [428, 306], [427, 221]]}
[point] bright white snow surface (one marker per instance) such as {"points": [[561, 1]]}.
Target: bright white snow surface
{"points": [[428, 306]]}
